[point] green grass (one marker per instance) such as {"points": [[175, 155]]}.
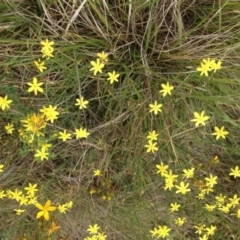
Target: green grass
{"points": [[149, 43]]}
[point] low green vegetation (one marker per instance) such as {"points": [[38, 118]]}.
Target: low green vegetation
{"points": [[119, 120]]}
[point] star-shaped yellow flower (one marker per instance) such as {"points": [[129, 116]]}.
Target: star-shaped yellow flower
{"points": [[35, 86], [103, 56], [81, 103], [152, 135], [4, 102], [219, 132], [40, 65], [113, 77], [9, 128], [97, 66], [235, 172], [47, 44], [31, 189], [47, 48], [50, 113], [182, 188], [155, 108], [162, 169], [45, 209], [188, 173], [166, 89], [204, 69], [161, 232], [174, 207], [93, 229], [211, 180], [42, 154], [64, 135], [81, 133], [199, 118], [97, 172], [151, 146]]}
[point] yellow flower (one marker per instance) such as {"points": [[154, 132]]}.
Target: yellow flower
{"points": [[97, 172], [201, 195], [34, 123], [166, 89], [169, 176], [113, 77], [101, 236], [19, 211], [50, 113], [188, 173], [9, 194], [211, 181], [235, 172], [45, 145], [199, 118], [4, 102], [16, 195], [9, 128], [45, 209], [182, 188], [219, 132], [162, 169], [70, 204], [161, 232], [93, 229], [152, 135], [47, 49], [23, 200], [47, 44], [81, 133], [32, 200], [208, 65], [203, 237], [64, 135], [180, 221], [174, 207], [1, 167], [35, 86], [42, 154], [81, 103], [47, 52], [211, 230], [103, 56], [209, 62], [97, 66], [216, 66], [234, 201], [151, 146], [210, 208], [31, 189], [62, 208], [204, 69], [155, 108], [40, 65], [225, 209], [200, 229], [220, 199], [168, 184]]}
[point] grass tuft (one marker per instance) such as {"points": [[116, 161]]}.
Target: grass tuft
{"points": [[149, 43]]}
